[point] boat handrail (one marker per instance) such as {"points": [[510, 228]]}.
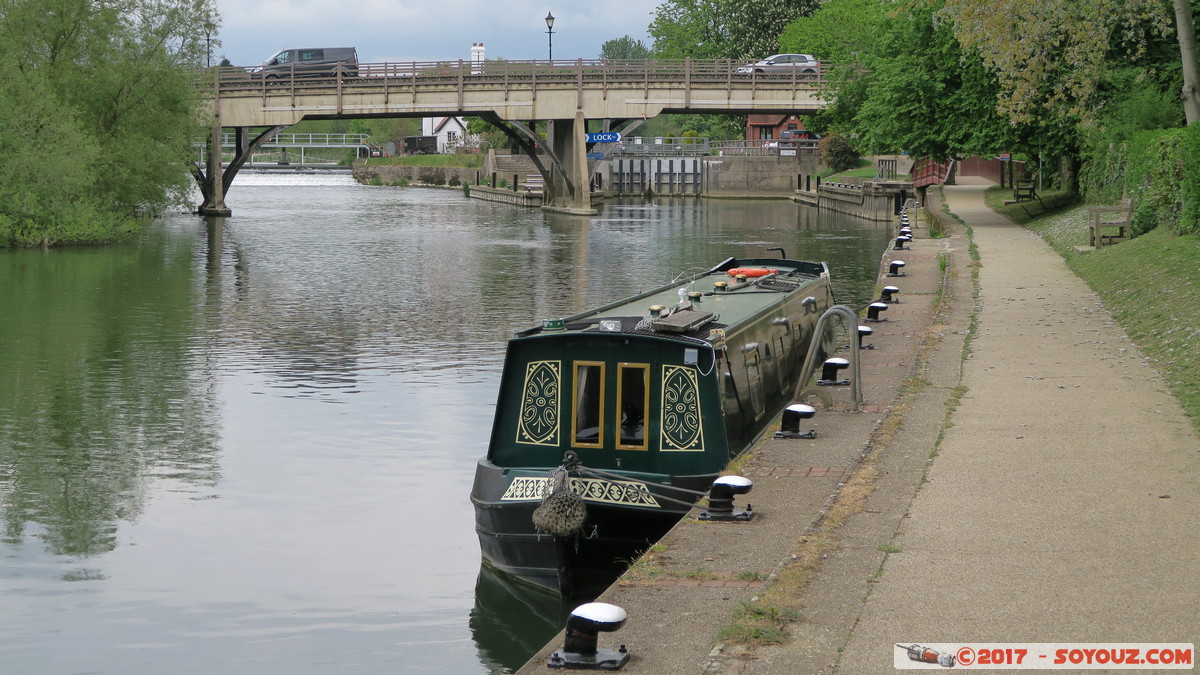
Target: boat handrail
{"points": [[806, 372]]}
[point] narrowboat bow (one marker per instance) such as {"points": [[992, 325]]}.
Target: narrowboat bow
{"points": [[610, 423]]}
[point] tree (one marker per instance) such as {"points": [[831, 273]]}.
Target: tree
{"points": [[841, 31], [624, 48], [928, 97], [722, 29], [847, 35], [114, 86], [1050, 55], [1185, 31]]}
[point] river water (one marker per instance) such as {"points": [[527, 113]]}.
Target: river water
{"points": [[249, 449]]}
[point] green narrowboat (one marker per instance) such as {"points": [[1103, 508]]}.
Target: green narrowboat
{"points": [[610, 423]]}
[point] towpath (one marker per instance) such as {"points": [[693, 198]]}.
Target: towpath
{"points": [[1040, 488]]}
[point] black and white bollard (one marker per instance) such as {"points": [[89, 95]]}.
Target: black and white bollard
{"points": [[888, 292], [899, 245], [720, 500], [579, 651], [829, 372], [895, 268], [873, 311], [865, 332], [789, 426]]}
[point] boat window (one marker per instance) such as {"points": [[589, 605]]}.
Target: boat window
{"points": [[783, 366], [587, 423], [755, 382], [633, 400]]}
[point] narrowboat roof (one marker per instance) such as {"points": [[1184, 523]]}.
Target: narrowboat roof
{"points": [[692, 307]]}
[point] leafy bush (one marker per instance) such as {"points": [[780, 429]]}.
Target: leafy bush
{"points": [[432, 175], [839, 154]]}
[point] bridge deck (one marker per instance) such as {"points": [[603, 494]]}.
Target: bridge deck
{"points": [[515, 90]]}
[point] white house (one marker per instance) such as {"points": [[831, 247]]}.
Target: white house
{"points": [[451, 132]]}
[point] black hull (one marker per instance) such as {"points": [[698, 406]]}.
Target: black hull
{"points": [[578, 566]]}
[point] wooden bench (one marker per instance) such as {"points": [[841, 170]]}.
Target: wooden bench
{"points": [[1023, 190], [1102, 218]]}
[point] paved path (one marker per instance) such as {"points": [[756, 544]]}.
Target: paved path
{"points": [[1063, 505]]}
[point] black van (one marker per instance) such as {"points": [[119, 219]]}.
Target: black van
{"points": [[309, 62]]}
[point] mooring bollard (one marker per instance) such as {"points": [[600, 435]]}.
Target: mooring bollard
{"points": [[873, 311], [830, 370], [865, 332], [579, 651], [720, 500], [789, 426]]}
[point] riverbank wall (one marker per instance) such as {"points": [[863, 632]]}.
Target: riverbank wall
{"points": [[717, 177], [436, 176], [877, 201]]}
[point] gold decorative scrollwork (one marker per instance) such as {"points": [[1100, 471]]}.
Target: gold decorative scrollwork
{"points": [[538, 424], [681, 429], [629, 493]]}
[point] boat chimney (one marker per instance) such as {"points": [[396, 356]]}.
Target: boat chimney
{"points": [[894, 269], [579, 650], [720, 499], [829, 372]]}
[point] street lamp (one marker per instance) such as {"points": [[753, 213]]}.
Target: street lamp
{"points": [[550, 35]]}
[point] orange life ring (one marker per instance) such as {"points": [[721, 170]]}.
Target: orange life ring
{"points": [[752, 271]]}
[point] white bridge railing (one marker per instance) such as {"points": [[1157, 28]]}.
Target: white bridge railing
{"points": [[580, 72]]}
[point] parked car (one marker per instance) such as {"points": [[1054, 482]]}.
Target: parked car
{"points": [[308, 62], [783, 64]]}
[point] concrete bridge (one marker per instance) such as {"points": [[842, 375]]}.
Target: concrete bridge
{"points": [[617, 94]]}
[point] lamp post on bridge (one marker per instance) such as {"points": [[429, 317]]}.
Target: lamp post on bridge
{"points": [[550, 36]]}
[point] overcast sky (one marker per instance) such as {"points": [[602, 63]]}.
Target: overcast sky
{"points": [[427, 30]]}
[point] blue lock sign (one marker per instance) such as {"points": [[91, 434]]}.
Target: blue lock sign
{"points": [[604, 137]]}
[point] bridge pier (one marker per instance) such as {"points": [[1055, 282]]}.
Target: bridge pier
{"points": [[570, 193], [212, 187], [215, 181]]}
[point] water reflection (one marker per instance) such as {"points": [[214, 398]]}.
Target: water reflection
{"points": [[99, 390], [251, 440], [510, 622]]}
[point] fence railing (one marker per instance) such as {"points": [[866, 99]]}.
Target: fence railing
{"points": [[310, 140], [593, 72]]}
